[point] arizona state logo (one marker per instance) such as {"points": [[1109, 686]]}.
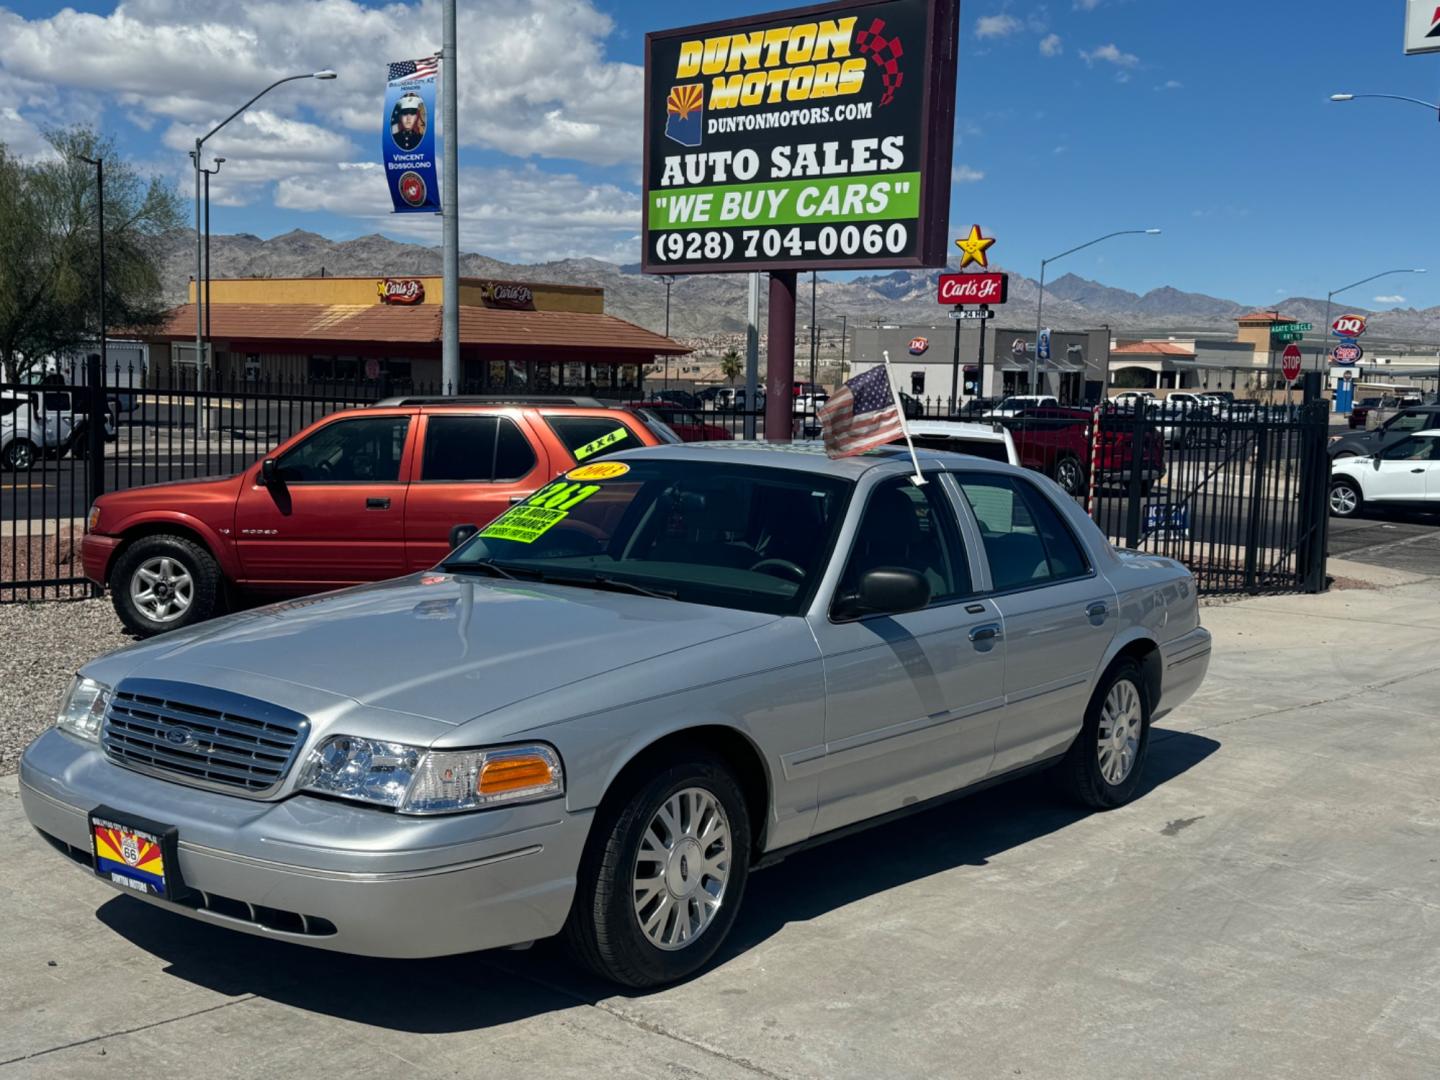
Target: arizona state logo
{"points": [[685, 114]]}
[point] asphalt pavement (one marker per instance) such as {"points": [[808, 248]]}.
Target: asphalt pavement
{"points": [[1266, 908]]}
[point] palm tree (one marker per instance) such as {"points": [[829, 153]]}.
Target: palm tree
{"points": [[731, 366]]}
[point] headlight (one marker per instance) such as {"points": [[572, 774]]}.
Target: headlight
{"points": [[93, 521], [413, 780], [83, 708]]}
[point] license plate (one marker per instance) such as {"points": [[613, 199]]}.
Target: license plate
{"points": [[135, 853]]}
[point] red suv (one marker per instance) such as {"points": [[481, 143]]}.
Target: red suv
{"points": [[361, 495], [1056, 441]]}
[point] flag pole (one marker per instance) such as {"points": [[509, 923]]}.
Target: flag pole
{"points": [[918, 479]]}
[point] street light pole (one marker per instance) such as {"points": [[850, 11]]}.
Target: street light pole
{"points": [[1040, 300], [208, 173], [450, 210], [669, 281], [1432, 106]]}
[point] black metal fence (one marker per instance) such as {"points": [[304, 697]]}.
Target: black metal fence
{"points": [[1237, 495]]}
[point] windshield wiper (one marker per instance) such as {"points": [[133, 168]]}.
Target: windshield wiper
{"points": [[603, 581], [465, 566]]}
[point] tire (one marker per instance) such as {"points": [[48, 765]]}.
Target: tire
{"points": [[604, 929], [172, 560], [1070, 475], [1346, 498], [20, 455], [1095, 759]]}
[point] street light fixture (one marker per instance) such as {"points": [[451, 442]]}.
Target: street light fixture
{"points": [[199, 240], [1040, 300], [1432, 106]]}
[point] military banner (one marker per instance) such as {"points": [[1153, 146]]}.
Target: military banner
{"points": [[407, 139], [818, 138]]}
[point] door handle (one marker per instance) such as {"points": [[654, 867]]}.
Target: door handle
{"points": [[1417, 470], [377, 503], [986, 632], [1098, 610]]}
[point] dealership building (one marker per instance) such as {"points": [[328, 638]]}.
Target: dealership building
{"points": [[514, 336]]}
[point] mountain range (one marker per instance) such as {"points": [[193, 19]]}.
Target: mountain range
{"points": [[711, 307]]}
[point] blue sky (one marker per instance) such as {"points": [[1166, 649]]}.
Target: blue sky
{"points": [[1077, 117]]}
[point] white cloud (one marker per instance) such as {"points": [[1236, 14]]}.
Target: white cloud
{"points": [[1170, 84], [988, 26], [964, 174], [1111, 54], [1050, 45], [1396, 299], [1086, 5]]}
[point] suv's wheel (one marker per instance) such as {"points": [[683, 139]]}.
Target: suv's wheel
{"points": [[1070, 475], [20, 455], [1102, 768], [1346, 499], [162, 583], [663, 874]]}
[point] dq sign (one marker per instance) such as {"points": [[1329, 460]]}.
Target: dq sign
{"points": [[919, 346], [974, 288], [1348, 326]]}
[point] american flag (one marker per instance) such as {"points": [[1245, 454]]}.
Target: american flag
{"points": [[861, 416], [414, 69]]}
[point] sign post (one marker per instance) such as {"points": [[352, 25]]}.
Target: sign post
{"points": [[813, 139]]}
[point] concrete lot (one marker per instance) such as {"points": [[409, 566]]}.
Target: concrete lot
{"points": [[1268, 908]]}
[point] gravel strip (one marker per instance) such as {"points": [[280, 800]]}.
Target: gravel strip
{"points": [[41, 647]]}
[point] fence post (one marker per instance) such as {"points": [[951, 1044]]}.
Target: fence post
{"points": [[95, 428], [1315, 483], [1257, 488], [1139, 450]]}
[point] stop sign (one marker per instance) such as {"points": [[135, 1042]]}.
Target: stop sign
{"points": [[1290, 362]]}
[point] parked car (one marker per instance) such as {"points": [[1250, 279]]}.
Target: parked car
{"points": [[1398, 426], [976, 408], [1405, 473], [595, 718], [810, 402], [1131, 399], [684, 398], [989, 441], [1016, 404], [689, 425], [1058, 443], [44, 422], [732, 399], [362, 495]]}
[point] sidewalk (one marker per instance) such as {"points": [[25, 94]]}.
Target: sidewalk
{"points": [[1268, 908]]}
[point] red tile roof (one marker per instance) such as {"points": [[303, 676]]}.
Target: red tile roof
{"points": [[418, 326], [1153, 348]]}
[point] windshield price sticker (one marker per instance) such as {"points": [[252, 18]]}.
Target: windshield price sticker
{"points": [[590, 449], [523, 524], [601, 470]]}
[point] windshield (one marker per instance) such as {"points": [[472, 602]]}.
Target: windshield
{"points": [[736, 536]]}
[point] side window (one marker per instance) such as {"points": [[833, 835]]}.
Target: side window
{"points": [[591, 437], [474, 448], [1026, 542], [1410, 421], [1411, 449], [365, 450], [914, 528]]}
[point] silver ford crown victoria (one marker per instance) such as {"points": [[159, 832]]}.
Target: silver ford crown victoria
{"points": [[657, 673]]}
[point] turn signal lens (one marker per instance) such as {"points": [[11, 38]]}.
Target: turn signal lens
{"points": [[506, 775], [93, 521]]}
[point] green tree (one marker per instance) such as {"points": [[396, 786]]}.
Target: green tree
{"points": [[49, 250], [731, 366]]}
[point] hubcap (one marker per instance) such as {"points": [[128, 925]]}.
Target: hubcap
{"points": [[1342, 499], [162, 588], [21, 455], [681, 869], [1069, 476], [1120, 722]]}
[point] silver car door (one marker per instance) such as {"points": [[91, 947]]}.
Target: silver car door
{"points": [[912, 700], [1059, 614]]}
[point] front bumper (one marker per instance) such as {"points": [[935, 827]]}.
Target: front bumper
{"points": [[367, 881], [96, 552]]}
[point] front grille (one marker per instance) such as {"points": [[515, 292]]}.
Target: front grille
{"points": [[203, 736]]}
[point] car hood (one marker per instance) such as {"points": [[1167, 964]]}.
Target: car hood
{"points": [[440, 647]]}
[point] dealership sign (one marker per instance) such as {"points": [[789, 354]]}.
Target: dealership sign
{"points": [[974, 288], [1422, 26], [818, 138], [401, 290], [1348, 326], [1347, 353]]}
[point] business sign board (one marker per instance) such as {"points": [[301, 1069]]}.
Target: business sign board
{"points": [[1347, 354], [974, 288], [919, 346], [401, 290], [1167, 519], [1348, 326], [817, 138], [1042, 346], [1422, 27]]}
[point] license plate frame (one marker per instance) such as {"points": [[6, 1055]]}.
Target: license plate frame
{"points": [[136, 853]]}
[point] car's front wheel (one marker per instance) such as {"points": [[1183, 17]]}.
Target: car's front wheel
{"points": [[1346, 499], [1070, 475], [663, 873], [20, 455], [162, 583], [1102, 768]]}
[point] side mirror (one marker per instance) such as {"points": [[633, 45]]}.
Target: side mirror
{"points": [[1375, 462], [269, 472], [460, 533], [886, 590]]}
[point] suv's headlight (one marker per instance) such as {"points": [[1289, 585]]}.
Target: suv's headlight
{"points": [[83, 708], [413, 780]]}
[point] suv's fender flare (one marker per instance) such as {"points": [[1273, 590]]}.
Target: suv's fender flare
{"points": [[221, 547]]}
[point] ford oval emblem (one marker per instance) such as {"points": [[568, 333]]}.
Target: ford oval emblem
{"points": [[180, 736]]}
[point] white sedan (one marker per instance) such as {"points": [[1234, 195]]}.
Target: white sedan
{"points": [[1406, 473]]}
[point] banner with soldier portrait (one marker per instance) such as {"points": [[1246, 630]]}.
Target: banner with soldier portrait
{"points": [[407, 137]]}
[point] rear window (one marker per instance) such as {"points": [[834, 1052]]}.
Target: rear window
{"points": [[989, 449], [10, 406], [480, 448], [589, 438]]}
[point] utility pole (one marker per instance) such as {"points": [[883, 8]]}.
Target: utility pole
{"points": [[752, 354], [450, 212], [208, 173]]}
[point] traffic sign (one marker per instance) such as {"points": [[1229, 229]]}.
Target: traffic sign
{"points": [[1290, 327], [1042, 346], [1347, 354], [1290, 362], [977, 313], [1287, 335], [1348, 326]]}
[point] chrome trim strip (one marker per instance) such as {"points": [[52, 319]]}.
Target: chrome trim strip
{"points": [[868, 744], [1053, 687], [357, 876]]}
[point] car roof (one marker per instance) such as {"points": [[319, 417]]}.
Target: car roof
{"points": [[809, 457]]}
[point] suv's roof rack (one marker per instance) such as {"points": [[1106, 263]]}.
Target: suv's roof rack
{"points": [[492, 399]]}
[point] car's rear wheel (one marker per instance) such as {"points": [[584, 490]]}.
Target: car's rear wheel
{"points": [[1346, 499], [20, 455], [1103, 766], [1070, 475], [164, 582], [663, 873]]}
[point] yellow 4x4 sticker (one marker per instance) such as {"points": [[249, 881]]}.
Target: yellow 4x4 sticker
{"points": [[590, 449], [537, 515]]}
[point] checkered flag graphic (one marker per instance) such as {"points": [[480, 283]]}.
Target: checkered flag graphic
{"points": [[886, 52]]}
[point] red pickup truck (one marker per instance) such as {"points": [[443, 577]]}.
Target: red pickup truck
{"points": [[1057, 442], [361, 495]]}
